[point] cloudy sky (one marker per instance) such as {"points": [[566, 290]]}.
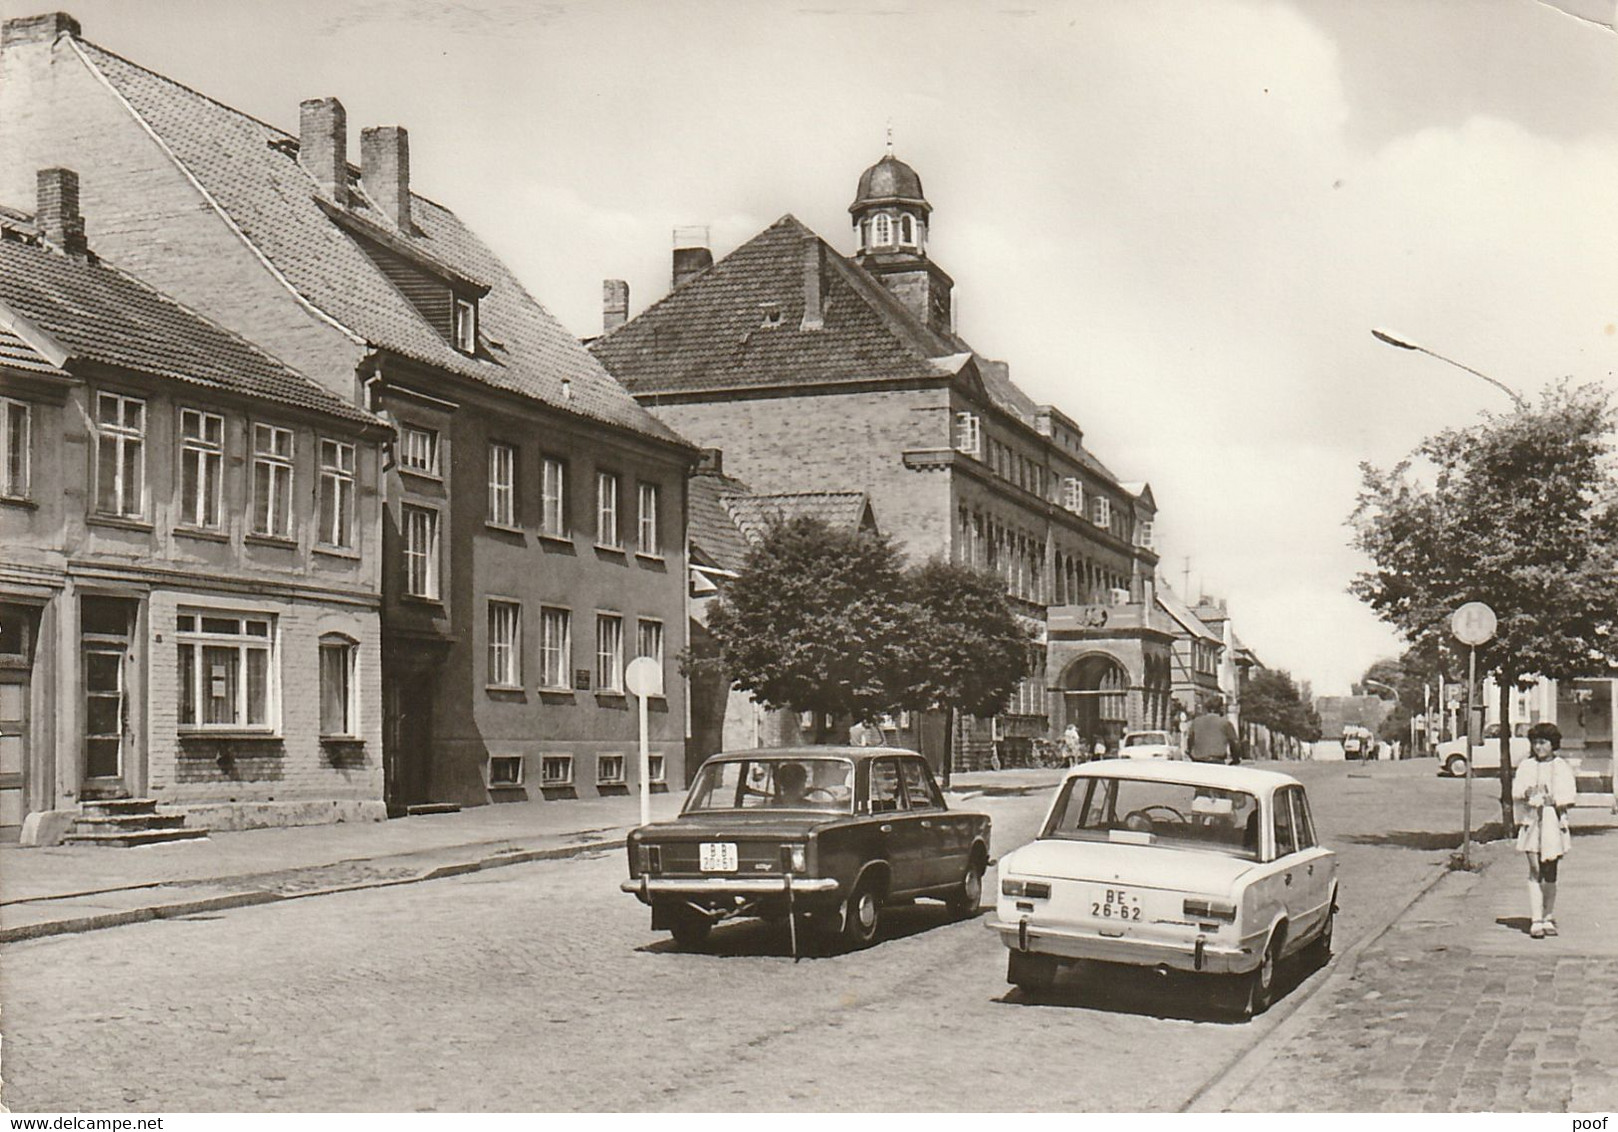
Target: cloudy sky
{"points": [[1177, 221]]}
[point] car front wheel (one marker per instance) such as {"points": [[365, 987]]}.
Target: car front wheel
{"points": [[1455, 766], [863, 917], [968, 895]]}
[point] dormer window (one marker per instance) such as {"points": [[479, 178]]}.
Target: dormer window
{"points": [[882, 230], [907, 230], [466, 325]]}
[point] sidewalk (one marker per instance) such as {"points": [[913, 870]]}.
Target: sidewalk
{"points": [[1455, 1009], [71, 888]]}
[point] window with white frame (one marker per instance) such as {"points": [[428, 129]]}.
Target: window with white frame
{"points": [[654, 768], [339, 710], [555, 648], [967, 436], [502, 484], [907, 230], [120, 455], [1101, 512], [420, 550], [272, 481], [881, 230], [556, 770], [227, 676], [505, 644], [1073, 494], [607, 510], [609, 652], [202, 462], [505, 771], [336, 493], [15, 426], [650, 543], [553, 500], [609, 770], [1144, 535], [418, 450], [466, 325], [649, 640]]}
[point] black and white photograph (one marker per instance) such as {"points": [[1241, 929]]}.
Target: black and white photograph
{"points": [[880, 557]]}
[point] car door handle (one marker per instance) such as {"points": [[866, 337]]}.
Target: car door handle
{"points": [[886, 827], [1288, 878], [1311, 868]]}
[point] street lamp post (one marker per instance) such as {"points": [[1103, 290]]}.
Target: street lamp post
{"points": [[1400, 343]]}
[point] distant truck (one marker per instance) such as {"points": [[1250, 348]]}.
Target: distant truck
{"points": [[1452, 756]]}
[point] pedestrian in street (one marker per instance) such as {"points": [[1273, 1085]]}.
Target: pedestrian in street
{"points": [[1542, 792], [1211, 738], [1072, 746]]}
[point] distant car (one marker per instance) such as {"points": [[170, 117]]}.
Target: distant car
{"points": [[824, 835], [1452, 755], [1355, 746], [1178, 866], [1148, 745]]}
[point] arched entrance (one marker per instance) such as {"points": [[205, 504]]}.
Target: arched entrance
{"points": [[1095, 698]]}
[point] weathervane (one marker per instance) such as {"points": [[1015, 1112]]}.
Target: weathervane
{"points": [[890, 137]]}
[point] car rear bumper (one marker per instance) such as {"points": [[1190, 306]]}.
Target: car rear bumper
{"points": [[723, 887], [1200, 954]]}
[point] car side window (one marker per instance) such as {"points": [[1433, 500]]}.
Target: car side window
{"points": [[1301, 820], [920, 790], [884, 786], [1286, 841]]}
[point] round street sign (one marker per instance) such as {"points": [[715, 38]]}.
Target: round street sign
{"points": [[644, 676], [1473, 623]]}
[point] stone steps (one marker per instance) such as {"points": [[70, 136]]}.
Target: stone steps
{"points": [[122, 823]]}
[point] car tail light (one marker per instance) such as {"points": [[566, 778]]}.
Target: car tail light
{"points": [[794, 858], [1197, 908], [651, 859], [1036, 888]]}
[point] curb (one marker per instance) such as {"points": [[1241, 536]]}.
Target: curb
{"points": [[1224, 1087], [78, 924]]}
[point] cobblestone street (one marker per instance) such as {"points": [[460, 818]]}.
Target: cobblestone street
{"points": [[540, 986]]}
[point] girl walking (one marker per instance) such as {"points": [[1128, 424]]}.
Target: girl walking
{"points": [[1543, 792]]}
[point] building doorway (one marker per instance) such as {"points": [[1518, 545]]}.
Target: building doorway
{"points": [[408, 747], [106, 626], [1095, 695]]}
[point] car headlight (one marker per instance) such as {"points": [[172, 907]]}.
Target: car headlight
{"points": [[795, 858], [1012, 886]]}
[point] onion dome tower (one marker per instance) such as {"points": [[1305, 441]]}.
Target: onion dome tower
{"points": [[891, 215]]}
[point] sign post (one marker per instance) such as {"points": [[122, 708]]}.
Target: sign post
{"points": [[644, 678], [1473, 624]]}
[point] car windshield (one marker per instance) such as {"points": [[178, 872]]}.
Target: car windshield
{"points": [[1146, 739], [1140, 811], [785, 783]]}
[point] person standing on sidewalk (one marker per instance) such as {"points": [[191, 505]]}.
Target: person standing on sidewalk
{"points": [[1543, 790], [1211, 738]]}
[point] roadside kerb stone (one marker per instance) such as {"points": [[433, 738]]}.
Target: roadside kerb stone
{"points": [[1297, 1012]]}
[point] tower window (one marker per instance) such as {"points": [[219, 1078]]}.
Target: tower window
{"points": [[907, 230], [882, 230]]}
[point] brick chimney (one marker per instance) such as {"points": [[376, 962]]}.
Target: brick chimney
{"points": [[323, 145], [814, 283], [38, 29], [385, 171], [614, 303], [691, 254], [56, 211]]}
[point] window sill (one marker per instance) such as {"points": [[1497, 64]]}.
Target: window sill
{"points": [[18, 501], [507, 691], [646, 557], [603, 548], [119, 522], [421, 599], [568, 692], [279, 541], [555, 539], [611, 694], [418, 474], [504, 528], [235, 735], [556, 785], [202, 534], [330, 551], [342, 741]]}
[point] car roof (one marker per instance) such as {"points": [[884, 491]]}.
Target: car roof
{"points": [[855, 753], [1189, 773]]}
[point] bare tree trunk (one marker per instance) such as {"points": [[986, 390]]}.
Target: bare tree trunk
{"points": [[1505, 751]]}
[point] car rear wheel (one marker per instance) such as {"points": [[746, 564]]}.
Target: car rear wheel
{"points": [[1031, 972], [968, 895], [1258, 989], [689, 928], [863, 917], [1455, 766], [1320, 946]]}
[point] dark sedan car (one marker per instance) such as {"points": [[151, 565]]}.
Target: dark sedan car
{"points": [[820, 836]]}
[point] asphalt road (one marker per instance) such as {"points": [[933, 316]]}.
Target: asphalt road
{"points": [[542, 987]]}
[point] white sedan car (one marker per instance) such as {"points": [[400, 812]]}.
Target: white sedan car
{"points": [[1148, 745], [1174, 865]]}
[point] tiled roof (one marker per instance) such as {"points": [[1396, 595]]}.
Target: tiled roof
{"points": [[252, 172], [1182, 614], [98, 313], [711, 529], [754, 514], [710, 333]]}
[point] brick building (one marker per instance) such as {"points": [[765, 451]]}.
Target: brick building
{"points": [[812, 370], [533, 530], [190, 573]]}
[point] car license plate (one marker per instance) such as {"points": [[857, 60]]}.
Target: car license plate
{"points": [[1115, 904], [718, 857]]}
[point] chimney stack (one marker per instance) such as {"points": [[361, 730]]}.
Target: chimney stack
{"points": [[614, 304], [814, 283], [56, 211], [711, 462], [323, 145], [691, 254], [385, 171], [38, 29]]}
